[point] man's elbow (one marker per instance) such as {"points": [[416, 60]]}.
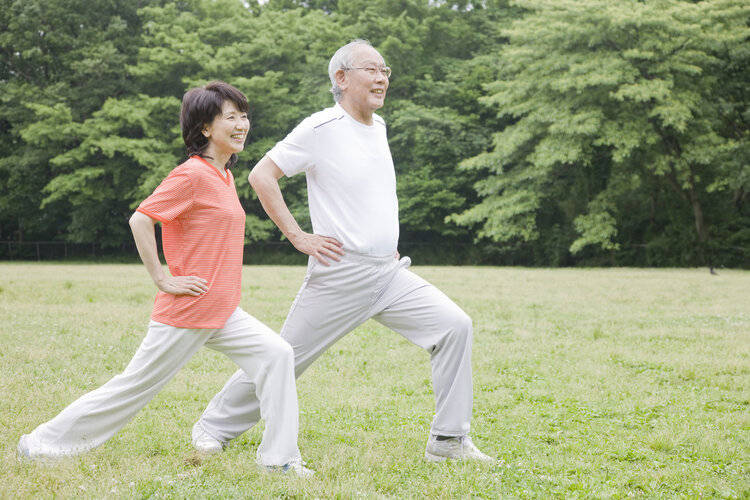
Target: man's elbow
{"points": [[252, 178], [264, 175], [258, 179]]}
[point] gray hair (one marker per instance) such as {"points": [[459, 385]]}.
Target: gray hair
{"points": [[343, 59]]}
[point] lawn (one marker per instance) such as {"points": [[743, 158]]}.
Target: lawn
{"points": [[587, 383]]}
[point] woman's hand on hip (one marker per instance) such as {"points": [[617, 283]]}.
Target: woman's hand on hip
{"points": [[183, 285]]}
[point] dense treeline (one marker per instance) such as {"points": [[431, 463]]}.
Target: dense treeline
{"points": [[532, 132]]}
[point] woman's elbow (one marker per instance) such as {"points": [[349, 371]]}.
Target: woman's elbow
{"points": [[137, 219]]}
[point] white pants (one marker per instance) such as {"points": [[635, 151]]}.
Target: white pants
{"points": [[336, 299], [264, 357]]}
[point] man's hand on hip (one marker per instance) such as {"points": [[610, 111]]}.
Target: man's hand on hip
{"points": [[320, 247]]}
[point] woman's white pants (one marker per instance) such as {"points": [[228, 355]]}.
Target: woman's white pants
{"points": [[264, 357]]}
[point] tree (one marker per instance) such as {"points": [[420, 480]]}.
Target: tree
{"points": [[615, 103], [108, 161], [58, 60]]}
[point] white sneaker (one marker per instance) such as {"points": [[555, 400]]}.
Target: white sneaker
{"points": [[296, 466], [30, 449], [204, 442], [459, 448], [23, 450]]}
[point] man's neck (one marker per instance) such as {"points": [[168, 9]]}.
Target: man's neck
{"points": [[362, 116]]}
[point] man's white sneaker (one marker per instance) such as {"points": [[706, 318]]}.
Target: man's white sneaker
{"points": [[204, 442], [297, 467], [458, 448]]}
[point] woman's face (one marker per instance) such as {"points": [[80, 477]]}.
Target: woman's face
{"points": [[227, 133]]}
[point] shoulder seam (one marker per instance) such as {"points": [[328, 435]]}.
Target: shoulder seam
{"points": [[327, 121]]}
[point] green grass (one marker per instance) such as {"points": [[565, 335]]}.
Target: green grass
{"points": [[588, 383]]}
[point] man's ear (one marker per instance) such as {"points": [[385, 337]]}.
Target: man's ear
{"points": [[341, 79]]}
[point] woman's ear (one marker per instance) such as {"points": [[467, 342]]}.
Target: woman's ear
{"points": [[206, 131]]}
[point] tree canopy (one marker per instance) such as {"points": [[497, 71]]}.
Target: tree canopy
{"points": [[532, 132], [620, 123]]}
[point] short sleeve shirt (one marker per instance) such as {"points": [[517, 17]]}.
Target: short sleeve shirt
{"points": [[351, 183], [203, 234]]}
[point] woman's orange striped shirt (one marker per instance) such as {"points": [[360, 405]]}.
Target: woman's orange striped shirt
{"points": [[203, 234]]}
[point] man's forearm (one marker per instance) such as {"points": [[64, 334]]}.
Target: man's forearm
{"points": [[273, 203], [266, 186], [264, 179]]}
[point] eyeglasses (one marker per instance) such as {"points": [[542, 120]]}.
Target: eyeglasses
{"points": [[372, 70]]}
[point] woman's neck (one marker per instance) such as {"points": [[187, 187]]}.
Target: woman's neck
{"points": [[218, 160]]}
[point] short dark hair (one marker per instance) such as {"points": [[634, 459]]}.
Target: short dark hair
{"points": [[200, 106]]}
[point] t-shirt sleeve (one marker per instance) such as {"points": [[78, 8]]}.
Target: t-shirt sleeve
{"points": [[172, 198], [296, 152]]}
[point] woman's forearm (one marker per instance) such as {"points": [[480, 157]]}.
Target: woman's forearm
{"points": [[145, 240]]}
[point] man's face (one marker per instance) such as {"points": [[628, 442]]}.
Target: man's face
{"points": [[361, 88]]}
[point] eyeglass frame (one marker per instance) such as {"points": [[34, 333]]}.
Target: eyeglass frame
{"points": [[383, 70]]}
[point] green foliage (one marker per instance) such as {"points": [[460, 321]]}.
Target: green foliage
{"points": [[548, 133], [430, 143], [60, 60], [629, 85]]}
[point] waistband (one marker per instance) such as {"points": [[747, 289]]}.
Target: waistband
{"points": [[363, 257]]}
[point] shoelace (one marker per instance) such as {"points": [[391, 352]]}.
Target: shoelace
{"points": [[293, 463]]}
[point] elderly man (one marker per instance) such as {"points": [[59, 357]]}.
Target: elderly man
{"points": [[354, 272]]}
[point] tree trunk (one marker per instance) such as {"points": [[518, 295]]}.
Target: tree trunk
{"points": [[691, 195], [700, 225]]}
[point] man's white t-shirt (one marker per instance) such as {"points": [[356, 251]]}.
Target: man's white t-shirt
{"points": [[351, 183]]}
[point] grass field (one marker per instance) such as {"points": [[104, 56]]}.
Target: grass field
{"points": [[587, 383]]}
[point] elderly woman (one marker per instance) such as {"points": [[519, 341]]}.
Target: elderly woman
{"points": [[203, 231]]}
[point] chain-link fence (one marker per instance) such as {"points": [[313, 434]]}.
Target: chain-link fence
{"points": [[57, 250], [278, 252], [421, 253]]}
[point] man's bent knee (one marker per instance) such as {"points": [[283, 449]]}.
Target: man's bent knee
{"points": [[455, 332], [459, 325]]}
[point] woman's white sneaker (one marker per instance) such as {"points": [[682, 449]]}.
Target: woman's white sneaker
{"points": [[23, 449], [30, 449]]}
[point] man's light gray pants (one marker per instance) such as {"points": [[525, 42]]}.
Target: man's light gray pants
{"points": [[336, 299], [264, 358]]}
